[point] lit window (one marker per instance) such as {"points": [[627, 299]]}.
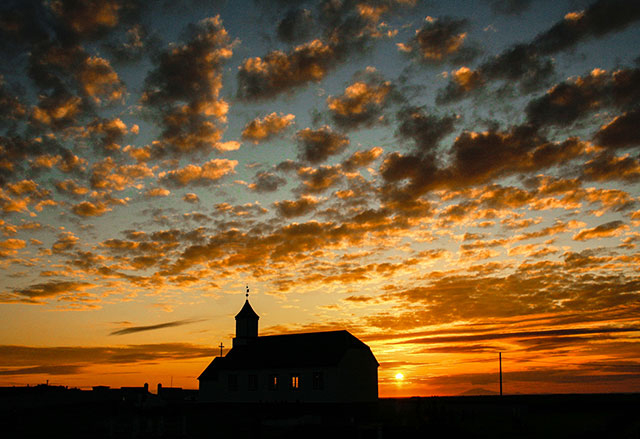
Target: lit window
{"points": [[318, 381], [295, 382], [273, 382]]}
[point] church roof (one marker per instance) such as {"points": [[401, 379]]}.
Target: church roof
{"points": [[247, 312], [314, 349]]}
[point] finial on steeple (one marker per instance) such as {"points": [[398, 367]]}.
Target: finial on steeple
{"points": [[247, 292]]}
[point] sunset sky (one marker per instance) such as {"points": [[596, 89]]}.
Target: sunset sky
{"points": [[445, 179]]}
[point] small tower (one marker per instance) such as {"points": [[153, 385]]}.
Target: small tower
{"points": [[246, 325]]}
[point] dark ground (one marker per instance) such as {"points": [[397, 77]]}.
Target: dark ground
{"points": [[59, 412]]}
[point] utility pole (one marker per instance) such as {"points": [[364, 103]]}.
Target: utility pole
{"points": [[221, 346], [500, 360]]}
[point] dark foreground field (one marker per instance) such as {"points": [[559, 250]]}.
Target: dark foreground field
{"points": [[71, 413]]}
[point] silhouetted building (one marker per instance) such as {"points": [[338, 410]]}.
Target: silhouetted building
{"points": [[329, 366]]}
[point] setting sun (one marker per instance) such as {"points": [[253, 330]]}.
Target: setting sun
{"points": [[399, 376]]}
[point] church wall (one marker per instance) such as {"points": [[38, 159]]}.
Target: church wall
{"points": [[358, 376], [354, 380], [309, 390]]}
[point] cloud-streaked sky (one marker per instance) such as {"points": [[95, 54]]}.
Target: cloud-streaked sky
{"points": [[447, 180]]}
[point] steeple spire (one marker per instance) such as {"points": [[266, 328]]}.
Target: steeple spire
{"points": [[246, 324]]}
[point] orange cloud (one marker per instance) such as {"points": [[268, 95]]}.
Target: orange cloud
{"points": [[87, 208], [157, 192], [206, 174], [57, 111], [107, 175], [99, 81], [66, 241], [261, 78], [260, 130], [361, 103], [606, 230], [360, 159], [191, 198]]}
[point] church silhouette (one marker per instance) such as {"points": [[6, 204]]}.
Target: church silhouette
{"points": [[318, 367]]}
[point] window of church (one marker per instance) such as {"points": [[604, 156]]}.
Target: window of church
{"points": [[253, 382], [233, 382], [318, 381], [295, 382], [273, 382]]}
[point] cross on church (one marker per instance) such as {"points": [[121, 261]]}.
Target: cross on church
{"points": [[221, 346]]}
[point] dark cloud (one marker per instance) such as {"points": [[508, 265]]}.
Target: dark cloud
{"points": [[184, 90], [476, 158], [276, 72], [346, 28], [599, 19], [11, 107], [67, 290], [522, 64], [426, 130], [58, 358], [317, 180], [480, 157], [621, 132], [520, 335], [136, 44], [291, 209], [359, 299], [22, 23], [45, 370], [608, 167], [545, 376], [440, 40], [296, 26], [266, 182], [72, 83], [318, 145], [87, 19], [529, 64], [574, 99], [135, 329]]}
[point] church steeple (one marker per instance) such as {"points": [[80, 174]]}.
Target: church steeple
{"points": [[246, 324]]}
